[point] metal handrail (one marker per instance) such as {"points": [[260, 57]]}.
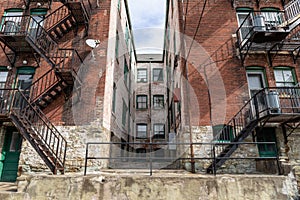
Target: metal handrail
{"points": [[150, 158], [15, 101], [55, 17]]}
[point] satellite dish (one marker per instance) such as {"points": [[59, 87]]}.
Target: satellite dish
{"points": [[92, 43]]}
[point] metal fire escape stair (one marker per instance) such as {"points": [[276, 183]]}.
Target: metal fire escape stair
{"points": [[66, 18], [228, 150], [30, 36], [269, 105], [37, 129]]}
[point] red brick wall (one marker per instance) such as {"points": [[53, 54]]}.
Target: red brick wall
{"points": [[217, 27], [60, 110]]}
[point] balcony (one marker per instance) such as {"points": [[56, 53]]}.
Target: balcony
{"points": [[23, 34], [260, 30]]}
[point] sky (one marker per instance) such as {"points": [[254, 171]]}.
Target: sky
{"points": [[148, 21]]}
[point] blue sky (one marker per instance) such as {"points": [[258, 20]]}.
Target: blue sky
{"points": [[148, 21]]}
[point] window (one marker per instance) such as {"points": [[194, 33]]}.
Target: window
{"points": [[141, 130], [38, 15], [126, 70], [266, 135], [142, 75], [11, 23], [159, 131], [158, 75], [284, 76], [272, 17], [141, 101], [114, 98], [256, 79], [117, 45], [119, 5], [244, 21], [124, 113], [127, 34], [158, 101], [3, 78], [25, 77]]}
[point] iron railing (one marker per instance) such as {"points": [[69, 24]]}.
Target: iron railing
{"points": [[34, 31], [267, 102], [261, 21], [67, 60], [52, 19], [129, 160], [292, 10], [14, 102]]}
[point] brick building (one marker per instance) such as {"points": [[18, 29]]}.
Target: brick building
{"points": [[73, 87], [64, 65], [227, 52]]}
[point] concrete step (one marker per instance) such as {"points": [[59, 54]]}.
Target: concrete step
{"points": [[8, 187]]}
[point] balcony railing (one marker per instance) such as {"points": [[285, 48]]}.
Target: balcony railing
{"points": [[261, 21], [27, 26], [292, 10]]}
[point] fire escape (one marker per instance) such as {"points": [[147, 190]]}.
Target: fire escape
{"points": [[25, 35], [274, 33]]}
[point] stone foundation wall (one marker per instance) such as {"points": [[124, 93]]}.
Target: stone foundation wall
{"points": [[77, 137], [162, 185]]}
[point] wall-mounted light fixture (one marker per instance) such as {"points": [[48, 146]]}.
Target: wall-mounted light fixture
{"points": [[8, 67], [24, 62]]}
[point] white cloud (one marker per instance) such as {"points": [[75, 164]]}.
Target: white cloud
{"points": [[148, 21]]}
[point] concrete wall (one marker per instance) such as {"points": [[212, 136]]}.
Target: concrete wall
{"points": [[159, 186]]}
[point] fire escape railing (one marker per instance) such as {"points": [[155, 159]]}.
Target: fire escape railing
{"points": [[260, 21], [55, 17], [34, 125], [292, 10], [267, 102], [68, 60], [35, 32]]}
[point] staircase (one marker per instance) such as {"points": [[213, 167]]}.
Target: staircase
{"points": [[268, 105], [25, 35], [59, 79], [66, 18], [36, 128]]}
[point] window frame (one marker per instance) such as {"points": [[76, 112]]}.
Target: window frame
{"points": [[145, 136], [139, 80], [114, 98], [156, 105], [285, 68], [124, 113], [161, 72], [263, 136], [138, 103], [157, 133]]}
